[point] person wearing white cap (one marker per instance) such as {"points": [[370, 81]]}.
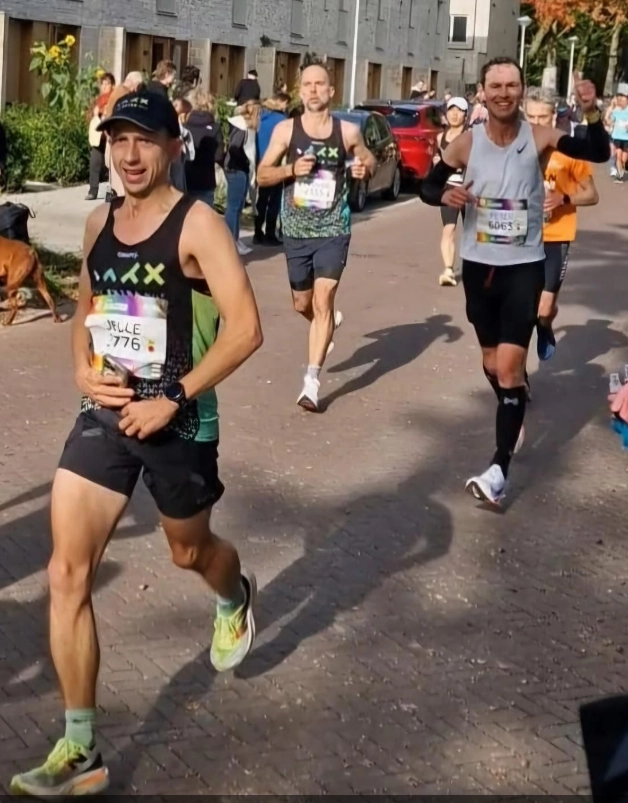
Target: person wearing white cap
{"points": [[457, 113]]}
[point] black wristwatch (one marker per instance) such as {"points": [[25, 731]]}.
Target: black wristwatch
{"points": [[567, 200], [176, 393]]}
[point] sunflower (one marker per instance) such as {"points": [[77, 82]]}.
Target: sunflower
{"points": [[54, 52], [99, 73], [70, 40]]}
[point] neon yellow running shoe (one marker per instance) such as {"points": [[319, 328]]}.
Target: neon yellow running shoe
{"points": [[69, 770], [234, 635]]}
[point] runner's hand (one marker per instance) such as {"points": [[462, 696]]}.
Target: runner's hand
{"points": [[585, 93], [458, 197], [358, 169], [144, 418], [304, 165], [552, 201], [104, 389]]}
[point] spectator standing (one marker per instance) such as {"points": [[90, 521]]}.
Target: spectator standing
{"points": [[240, 163], [163, 78], [97, 139], [200, 173], [247, 89], [418, 91], [183, 108], [190, 79], [274, 110]]}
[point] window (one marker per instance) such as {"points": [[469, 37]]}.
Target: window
{"points": [[439, 16], [381, 9], [168, 7], [382, 128], [296, 25], [458, 29], [413, 10], [238, 12], [371, 135], [403, 119], [343, 24]]}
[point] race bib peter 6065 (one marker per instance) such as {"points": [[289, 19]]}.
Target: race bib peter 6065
{"points": [[502, 222], [132, 329]]}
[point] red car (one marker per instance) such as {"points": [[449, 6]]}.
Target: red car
{"points": [[416, 127]]}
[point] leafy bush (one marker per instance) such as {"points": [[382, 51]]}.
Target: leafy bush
{"points": [[45, 145]]}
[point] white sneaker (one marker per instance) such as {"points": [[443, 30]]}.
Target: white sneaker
{"points": [[338, 319], [309, 395], [243, 249], [488, 487]]}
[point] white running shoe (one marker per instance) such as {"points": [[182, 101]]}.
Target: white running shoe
{"points": [[309, 395], [338, 319], [488, 487], [243, 249]]}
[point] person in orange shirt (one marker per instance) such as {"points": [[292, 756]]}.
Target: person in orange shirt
{"points": [[568, 184]]}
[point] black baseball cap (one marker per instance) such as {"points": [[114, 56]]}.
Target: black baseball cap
{"points": [[147, 110]]}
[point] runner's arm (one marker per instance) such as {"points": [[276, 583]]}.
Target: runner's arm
{"points": [[206, 240], [81, 340], [437, 156], [269, 172], [595, 147], [354, 142], [587, 195], [433, 186]]}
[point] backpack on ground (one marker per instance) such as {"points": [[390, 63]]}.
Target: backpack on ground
{"points": [[14, 221]]}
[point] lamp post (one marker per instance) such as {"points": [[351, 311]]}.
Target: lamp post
{"points": [[354, 55], [572, 41], [524, 24]]}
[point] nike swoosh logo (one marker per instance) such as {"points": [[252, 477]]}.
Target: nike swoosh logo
{"points": [[522, 148], [512, 401]]}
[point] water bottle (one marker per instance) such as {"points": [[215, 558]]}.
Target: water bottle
{"points": [[548, 188], [615, 384]]}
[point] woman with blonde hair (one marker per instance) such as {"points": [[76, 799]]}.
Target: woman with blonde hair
{"points": [[274, 111], [200, 172], [240, 164]]}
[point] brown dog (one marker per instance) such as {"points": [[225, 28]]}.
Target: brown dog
{"points": [[19, 262]]}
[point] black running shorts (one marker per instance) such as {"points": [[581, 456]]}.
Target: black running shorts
{"points": [[315, 258], [503, 301], [556, 264], [449, 215], [181, 475]]}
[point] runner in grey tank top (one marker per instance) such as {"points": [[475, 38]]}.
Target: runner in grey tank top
{"points": [[505, 226], [503, 268]]}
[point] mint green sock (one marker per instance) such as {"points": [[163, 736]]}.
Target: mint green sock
{"points": [[79, 726], [227, 607]]}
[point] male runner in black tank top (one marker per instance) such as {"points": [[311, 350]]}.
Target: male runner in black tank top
{"points": [[316, 220], [160, 270]]}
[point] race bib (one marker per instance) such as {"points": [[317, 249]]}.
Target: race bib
{"points": [[132, 329], [502, 222], [317, 192]]}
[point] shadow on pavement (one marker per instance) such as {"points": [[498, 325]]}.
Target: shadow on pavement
{"points": [[390, 350], [24, 642]]}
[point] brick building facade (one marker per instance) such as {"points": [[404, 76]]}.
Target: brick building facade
{"points": [[400, 41]]}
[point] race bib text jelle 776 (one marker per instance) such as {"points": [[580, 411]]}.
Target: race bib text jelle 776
{"points": [[132, 329]]}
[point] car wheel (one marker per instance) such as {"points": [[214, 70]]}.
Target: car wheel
{"points": [[392, 193], [358, 195]]}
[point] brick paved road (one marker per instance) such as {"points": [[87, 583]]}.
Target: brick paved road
{"points": [[410, 641]]}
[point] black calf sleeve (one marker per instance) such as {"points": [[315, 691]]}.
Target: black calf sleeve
{"points": [[510, 414]]}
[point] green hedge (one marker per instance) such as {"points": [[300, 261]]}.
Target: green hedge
{"points": [[45, 145]]}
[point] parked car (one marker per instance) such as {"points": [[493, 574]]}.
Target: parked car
{"points": [[381, 142], [416, 126]]}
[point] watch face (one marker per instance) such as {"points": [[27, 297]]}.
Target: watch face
{"points": [[175, 392]]}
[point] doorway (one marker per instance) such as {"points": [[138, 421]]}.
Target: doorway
{"points": [[336, 70], [406, 83], [226, 69], [286, 69], [374, 81]]}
